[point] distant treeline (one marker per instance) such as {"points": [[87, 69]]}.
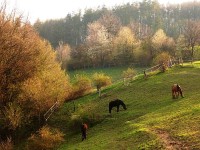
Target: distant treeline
{"points": [[143, 18], [73, 28]]}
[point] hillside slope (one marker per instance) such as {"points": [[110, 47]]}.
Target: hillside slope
{"points": [[153, 120]]}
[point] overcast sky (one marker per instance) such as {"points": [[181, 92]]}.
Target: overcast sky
{"points": [[55, 9]]}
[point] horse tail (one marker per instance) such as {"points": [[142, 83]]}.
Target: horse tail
{"points": [[181, 92]]}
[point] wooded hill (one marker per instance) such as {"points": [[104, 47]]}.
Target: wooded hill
{"points": [[134, 33], [149, 14]]}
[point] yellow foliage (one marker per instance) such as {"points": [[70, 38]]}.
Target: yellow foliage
{"points": [[17, 56], [50, 84], [45, 139], [81, 86], [162, 58], [29, 72], [159, 38], [129, 73], [13, 116], [30, 75], [6, 145], [125, 36], [101, 80]]}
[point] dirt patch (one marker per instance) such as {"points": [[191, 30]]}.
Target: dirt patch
{"points": [[170, 143]]}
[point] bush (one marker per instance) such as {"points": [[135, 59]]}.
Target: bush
{"points": [[100, 80], [75, 123], [6, 145], [45, 139], [13, 115], [81, 86], [91, 119], [162, 59], [129, 73]]}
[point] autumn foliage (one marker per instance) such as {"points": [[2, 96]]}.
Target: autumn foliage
{"points": [[129, 73], [162, 59], [101, 80], [7, 144], [82, 85], [31, 80], [45, 139]]}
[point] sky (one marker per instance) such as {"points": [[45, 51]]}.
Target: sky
{"points": [[56, 9]]}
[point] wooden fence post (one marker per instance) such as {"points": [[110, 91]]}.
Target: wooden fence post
{"points": [[145, 75]]}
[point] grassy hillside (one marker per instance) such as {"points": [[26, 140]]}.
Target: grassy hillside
{"points": [[153, 120]]}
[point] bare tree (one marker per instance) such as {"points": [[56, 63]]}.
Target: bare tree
{"points": [[192, 35], [63, 54], [97, 40], [111, 23]]}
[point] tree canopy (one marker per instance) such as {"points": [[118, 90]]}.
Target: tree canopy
{"points": [[31, 79]]}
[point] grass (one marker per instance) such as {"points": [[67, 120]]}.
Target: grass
{"points": [[150, 108], [114, 72]]}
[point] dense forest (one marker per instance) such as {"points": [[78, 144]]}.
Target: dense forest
{"points": [[133, 33]]}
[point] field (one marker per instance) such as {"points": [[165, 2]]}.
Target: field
{"points": [[152, 121], [114, 72]]}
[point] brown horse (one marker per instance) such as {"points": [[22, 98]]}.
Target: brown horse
{"points": [[84, 128], [176, 89]]}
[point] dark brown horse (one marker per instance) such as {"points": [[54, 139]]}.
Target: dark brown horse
{"points": [[176, 90], [116, 103]]}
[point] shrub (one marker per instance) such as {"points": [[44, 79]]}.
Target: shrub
{"points": [[129, 73], [45, 139], [91, 119], [100, 80], [13, 115], [81, 86], [6, 145], [162, 59]]}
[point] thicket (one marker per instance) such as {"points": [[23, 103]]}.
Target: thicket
{"points": [[81, 86], [31, 80], [46, 138]]}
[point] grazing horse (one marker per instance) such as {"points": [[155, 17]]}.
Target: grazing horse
{"points": [[176, 89], [84, 128], [116, 103]]}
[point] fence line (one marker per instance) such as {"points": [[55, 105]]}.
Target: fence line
{"points": [[50, 111]]}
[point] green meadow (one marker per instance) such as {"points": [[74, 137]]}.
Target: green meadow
{"points": [[152, 121], [114, 72]]}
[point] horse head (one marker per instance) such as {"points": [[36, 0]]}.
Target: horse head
{"points": [[124, 106]]}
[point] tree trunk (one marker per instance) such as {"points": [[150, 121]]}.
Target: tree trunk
{"points": [[100, 93]]}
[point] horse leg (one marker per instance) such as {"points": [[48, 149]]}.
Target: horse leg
{"points": [[173, 95], [110, 108], [177, 94], [117, 108], [181, 94]]}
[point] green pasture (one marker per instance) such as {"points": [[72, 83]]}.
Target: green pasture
{"points": [[114, 72], [150, 109]]}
